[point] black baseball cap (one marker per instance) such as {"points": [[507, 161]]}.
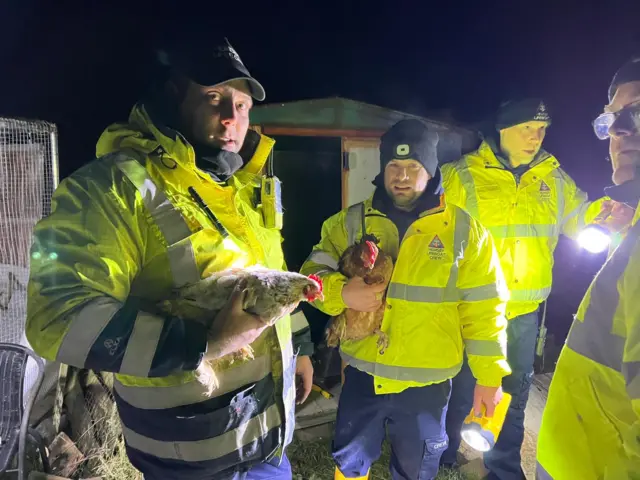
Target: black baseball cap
{"points": [[208, 60]]}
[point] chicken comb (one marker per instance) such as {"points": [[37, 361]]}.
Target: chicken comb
{"points": [[373, 251], [316, 279]]}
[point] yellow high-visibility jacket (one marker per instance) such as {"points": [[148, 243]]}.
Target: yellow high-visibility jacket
{"points": [[123, 232], [525, 216], [591, 423], [447, 293]]}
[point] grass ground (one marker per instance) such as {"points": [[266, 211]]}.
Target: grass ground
{"points": [[312, 461]]}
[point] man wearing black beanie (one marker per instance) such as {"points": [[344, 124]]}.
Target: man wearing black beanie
{"points": [[519, 192], [441, 257]]}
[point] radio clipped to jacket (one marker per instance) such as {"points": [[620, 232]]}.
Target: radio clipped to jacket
{"points": [[271, 198]]}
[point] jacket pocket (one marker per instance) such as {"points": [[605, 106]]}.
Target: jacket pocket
{"points": [[433, 449]]}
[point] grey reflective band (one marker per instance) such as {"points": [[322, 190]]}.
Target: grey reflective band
{"points": [[593, 337], [560, 218], [523, 231], [487, 348], [529, 295], [415, 293], [142, 345], [631, 373], [407, 374], [170, 221], [210, 448], [541, 473], [460, 241], [288, 389], [484, 292], [298, 322], [353, 222], [85, 327], [323, 258], [161, 397], [470, 188]]}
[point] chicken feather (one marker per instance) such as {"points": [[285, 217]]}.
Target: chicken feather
{"points": [[363, 259], [270, 294]]}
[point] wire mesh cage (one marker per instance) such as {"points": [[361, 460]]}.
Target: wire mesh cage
{"points": [[28, 177]]}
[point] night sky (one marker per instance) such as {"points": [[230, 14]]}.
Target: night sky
{"points": [[83, 66]]}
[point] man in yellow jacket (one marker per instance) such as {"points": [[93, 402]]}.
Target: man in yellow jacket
{"points": [[446, 295], [126, 229], [521, 195], [591, 424]]}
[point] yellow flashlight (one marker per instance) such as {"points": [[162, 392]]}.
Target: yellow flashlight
{"points": [[594, 238], [481, 433]]}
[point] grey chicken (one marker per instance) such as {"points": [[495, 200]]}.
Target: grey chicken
{"points": [[271, 294]]}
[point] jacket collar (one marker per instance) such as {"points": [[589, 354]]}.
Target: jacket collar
{"points": [[143, 135], [544, 160]]}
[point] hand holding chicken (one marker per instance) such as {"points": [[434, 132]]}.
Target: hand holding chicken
{"points": [[369, 270], [243, 302]]}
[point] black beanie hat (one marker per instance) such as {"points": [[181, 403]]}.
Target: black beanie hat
{"points": [[515, 112], [410, 140], [629, 72]]}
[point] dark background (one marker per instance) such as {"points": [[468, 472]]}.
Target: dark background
{"points": [[82, 65]]}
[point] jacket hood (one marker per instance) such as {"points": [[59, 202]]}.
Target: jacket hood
{"points": [[141, 134]]}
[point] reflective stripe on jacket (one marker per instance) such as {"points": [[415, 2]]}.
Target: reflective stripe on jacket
{"points": [[123, 232], [591, 423], [525, 216], [447, 293]]}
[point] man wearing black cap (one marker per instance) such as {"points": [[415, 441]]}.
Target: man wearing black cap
{"points": [[447, 292], [591, 422], [172, 199], [519, 192]]}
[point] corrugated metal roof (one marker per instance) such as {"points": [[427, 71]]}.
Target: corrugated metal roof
{"points": [[338, 113]]}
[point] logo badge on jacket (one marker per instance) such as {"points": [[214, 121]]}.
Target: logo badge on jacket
{"points": [[436, 249], [545, 191]]}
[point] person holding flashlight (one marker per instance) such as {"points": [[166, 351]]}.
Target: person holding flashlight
{"points": [[591, 423], [519, 192]]}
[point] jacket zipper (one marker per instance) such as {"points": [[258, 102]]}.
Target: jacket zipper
{"points": [[210, 215]]}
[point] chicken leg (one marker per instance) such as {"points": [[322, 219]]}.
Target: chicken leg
{"points": [[383, 340]]}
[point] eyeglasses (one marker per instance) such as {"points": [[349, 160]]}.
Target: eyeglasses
{"points": [[628, 117]]}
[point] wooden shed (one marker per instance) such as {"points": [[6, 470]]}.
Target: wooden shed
{"points": [[327, 154]]}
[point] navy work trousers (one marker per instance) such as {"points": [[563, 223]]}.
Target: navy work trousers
{"points": [[414, 420]]}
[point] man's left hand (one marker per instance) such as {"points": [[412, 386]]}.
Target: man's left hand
{"points": [[304, 378], [488, 397]]}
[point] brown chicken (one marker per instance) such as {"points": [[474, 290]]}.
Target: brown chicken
{"points": [[271, 294], [365, 260]]}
